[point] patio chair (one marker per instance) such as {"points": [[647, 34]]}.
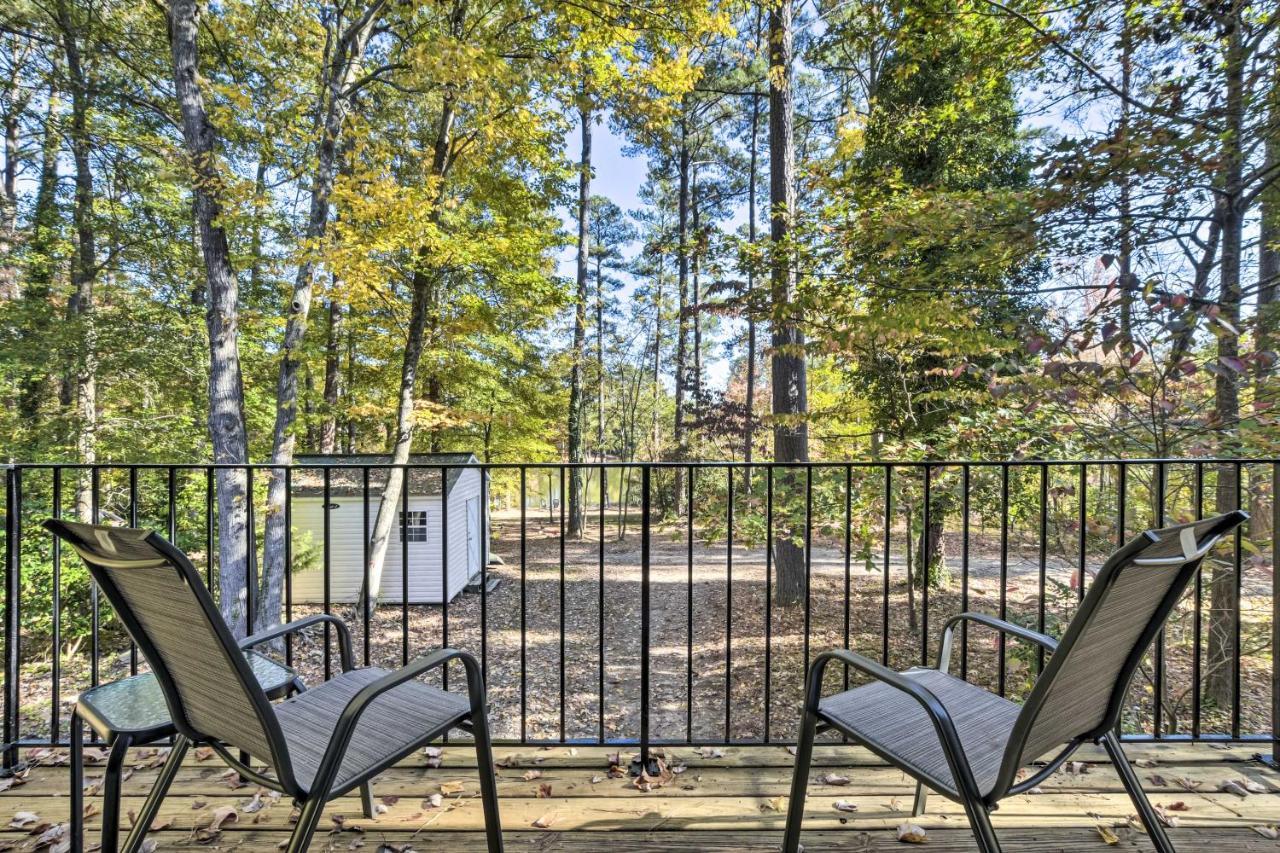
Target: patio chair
{"points": [[969, 744], [317, 745]]}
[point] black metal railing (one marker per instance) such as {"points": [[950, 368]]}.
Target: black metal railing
{"points": [[675, 603]]}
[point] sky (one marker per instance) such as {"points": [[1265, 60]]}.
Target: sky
{"points": [[619, 177]]}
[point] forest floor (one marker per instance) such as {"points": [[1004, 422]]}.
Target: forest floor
{"points": [[709, 637]]}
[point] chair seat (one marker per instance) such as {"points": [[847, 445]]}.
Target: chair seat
{"points": [[895, 726], [394, 724]]}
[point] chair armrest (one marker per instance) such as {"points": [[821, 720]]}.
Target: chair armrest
{"points": [[299, 625], [942, 723], [346, 724], [944, 650]]}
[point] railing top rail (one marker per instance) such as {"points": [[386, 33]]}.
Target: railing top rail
{"points": [[838, 464]]}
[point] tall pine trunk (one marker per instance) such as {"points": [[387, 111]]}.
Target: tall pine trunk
{"points": [[226, 385], [576, 496], [82, 382], [332, 378], [790, 396], [45, 226]]}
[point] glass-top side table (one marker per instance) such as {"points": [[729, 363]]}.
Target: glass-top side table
{"points": [[132, 712]]}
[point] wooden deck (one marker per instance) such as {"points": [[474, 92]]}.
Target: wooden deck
{"points": [[718, 802]]}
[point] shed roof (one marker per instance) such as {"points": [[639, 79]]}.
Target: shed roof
{"points": [[346, 472]]}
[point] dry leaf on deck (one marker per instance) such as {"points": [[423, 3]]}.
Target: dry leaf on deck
{"points": [[910, 833]]}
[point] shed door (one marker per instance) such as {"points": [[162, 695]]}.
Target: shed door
{"points": [[475, 553]]}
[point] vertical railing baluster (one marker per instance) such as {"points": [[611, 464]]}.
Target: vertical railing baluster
{"points": [[964, 570], [808, 564], [1238, 598], [12, 614], [133, 522], [688, 607], [208, 531], [1083, 532], [288, 562], [95, 510], [563, 628], [444, 570], [484, 572], [888, 548], [600, 567], [1004, 573], [1275, 615], [768, 600], [251, 546], [524, 611], [645, 578], [1197, 630], [728, 628], [327, 564], [55, 712], [406, 484], [1044, 561], [926, 555], [366, 594], [848, 562], [1157, 725]]}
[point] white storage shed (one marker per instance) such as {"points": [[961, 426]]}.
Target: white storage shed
{"points": [[468, 533]]}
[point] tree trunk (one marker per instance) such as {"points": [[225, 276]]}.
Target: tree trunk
{"points": [[576, 497], [1220, 681], [423, 287], [599, 359], [339, 74], [790, 398], [83, 267], [40, 261], [349, 446], [1127, 281], [9, 193], [656, 389], [749, 420], [695, 309], [332, 379], [226, 385], [1268, 289], [682, 319]]}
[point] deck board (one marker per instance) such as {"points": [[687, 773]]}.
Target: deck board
{"points": [[721, 801]]}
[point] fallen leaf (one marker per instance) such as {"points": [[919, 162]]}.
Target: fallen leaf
{"points": [[845, 806], [833, 779], [910, 833], [545, 821], [1108, 836], [450, 788], [530, 775]]}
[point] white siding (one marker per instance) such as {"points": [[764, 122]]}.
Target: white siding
{"points": [[346, 540]]}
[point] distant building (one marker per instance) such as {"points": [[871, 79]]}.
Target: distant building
{"points": [[468, 539]]}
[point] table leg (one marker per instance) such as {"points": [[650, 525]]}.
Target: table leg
{"points": [[111, 793], [77, 782], [147, 815]]}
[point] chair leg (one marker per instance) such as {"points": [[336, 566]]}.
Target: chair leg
{"points": [[111, 793], [980, 822], [1133, 785], [366, 799], [800, 783], [921, 800], [488, 779], [306, 827], [77, 783], [150, 808]]}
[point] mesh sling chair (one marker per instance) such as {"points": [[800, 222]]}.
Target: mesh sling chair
{"points": [[317, 745], [969, 744]]}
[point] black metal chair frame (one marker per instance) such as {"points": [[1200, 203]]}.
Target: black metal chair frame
{"points": [[313, 798], [978, 806]]}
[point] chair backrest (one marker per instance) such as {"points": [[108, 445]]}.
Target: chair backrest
{"points": [[210, 690], [1080, 693]]}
